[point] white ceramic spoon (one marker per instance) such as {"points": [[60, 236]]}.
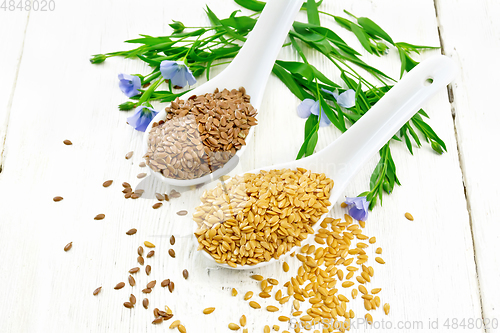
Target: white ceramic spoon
{"points": [[343, 158], [249, 69]]}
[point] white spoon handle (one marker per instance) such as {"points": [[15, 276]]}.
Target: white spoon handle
{"points": [[356, 146], [255, 60]]}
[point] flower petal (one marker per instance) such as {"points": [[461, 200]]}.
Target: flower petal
{"points": [[190, 77], [304, 108], [168, 69], [315, 108], [141, 118], [179, 79], [347, 99], [358, 208]]}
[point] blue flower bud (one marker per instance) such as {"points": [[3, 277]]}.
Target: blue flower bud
{"points": [[437, 148]]}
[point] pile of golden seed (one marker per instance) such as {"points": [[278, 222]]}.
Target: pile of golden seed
{"points": [[332, 260], [256, 217]]}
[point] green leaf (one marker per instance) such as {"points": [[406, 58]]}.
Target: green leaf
{"points": [[256, 6], [240, 23], [362, 37], [312, 144], [311, 127], [304, 5], [414, 48], [345, 23], [300, 68], [288, 80], [312, 12], [373, 29]]}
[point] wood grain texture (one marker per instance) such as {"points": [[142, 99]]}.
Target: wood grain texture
{"points": [[15, 24], [476, 120], [430, 272]]}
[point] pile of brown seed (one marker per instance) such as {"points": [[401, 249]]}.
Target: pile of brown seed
{"points": [[201, 134], [256, 217]]}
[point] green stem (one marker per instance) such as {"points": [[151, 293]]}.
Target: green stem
{"points": [[147, 94]]}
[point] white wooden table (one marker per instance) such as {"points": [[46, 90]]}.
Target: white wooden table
{"points": [[443, 266]]}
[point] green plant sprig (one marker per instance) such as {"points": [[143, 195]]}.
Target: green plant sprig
{"points": [[202, 48]]}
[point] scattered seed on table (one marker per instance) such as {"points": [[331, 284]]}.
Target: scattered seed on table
{"points": [[128, 195], [132, 298], [343, 205], [166, 197], [243, 320], [142, 175], [148, 269], [131, 280], [354, 293], [158, 320], [172, 240], [379, 260], [267, 329], [376, 290], [159, 196], [145, 303], [182, 212], [272, 308], [97, 291], [257, 277], [134, 270], [128, 305], [107, 183], [162, 313], [283, 318], [285, 267], [129, 155], [378, 250], [142, 164], [155, 312], [175, 324], [134, 196], [140, 250], [57, 199], [131, 231], [126, 185], [409, 216], [369, 318], [208, 310], [146, 290], [233, 326], [149, 244], [68, 246], [67, 142], [157, 205], [248, 295], [185, 273], [99, 217], [174, 194], [150, 254], [234, 292], [140, 260], [165, 283], [139, 192], [151, 284], [372, 240], [181, 329], [254, 305], [171, 252], [386, 308], [120, 285], [171, 286]]}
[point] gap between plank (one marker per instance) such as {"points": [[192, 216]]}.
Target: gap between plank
{"points": [[11, 98], [461, 164]]}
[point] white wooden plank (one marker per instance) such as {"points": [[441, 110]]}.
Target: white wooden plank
{"points": [[13, 24], [421, 280], [475, 46]]}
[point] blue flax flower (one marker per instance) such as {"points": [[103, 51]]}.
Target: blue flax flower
{"points": [[129, 84], [309, 106], [347, 99], [142, 117], [177, 72], [358, 207]]}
